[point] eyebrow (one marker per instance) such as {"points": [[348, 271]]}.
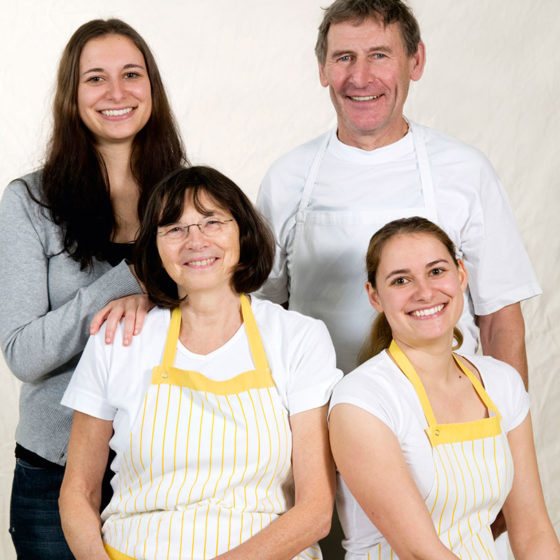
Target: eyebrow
{"points": [[405, 270], [125, 67], [380, 48]]}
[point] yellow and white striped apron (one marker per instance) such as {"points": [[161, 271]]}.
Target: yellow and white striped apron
{"points": [[474, 474], [208, 464]]}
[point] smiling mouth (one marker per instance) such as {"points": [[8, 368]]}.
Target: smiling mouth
{"points": [[202, 262], [116, 112], [427, 312], [364, 97]]}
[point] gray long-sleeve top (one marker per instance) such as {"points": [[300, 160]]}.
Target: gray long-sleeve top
{"points": [[46, 306]]}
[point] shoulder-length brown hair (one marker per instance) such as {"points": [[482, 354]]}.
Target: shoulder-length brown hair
{"points": [[166, 205], [75, 181]]}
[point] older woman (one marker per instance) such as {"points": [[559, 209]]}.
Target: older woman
{"points": [[66, 232], [426, 441], [218, 406]]}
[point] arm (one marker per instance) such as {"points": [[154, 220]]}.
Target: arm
{"points": [[309, 520], [35, 338], [369, 459], [530, 531], [502, 335], [80, 494]]}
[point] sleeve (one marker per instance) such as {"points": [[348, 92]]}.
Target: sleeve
{"points": [[36, 339], [87, 390], [369, 394], [500, 272], [312, 368]]}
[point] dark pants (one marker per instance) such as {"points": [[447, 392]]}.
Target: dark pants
{"points": [[34, 518]]}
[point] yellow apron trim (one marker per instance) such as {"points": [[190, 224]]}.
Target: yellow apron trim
{"points": [[252, 379], [439, 434], [114, 554], [258, 378]]}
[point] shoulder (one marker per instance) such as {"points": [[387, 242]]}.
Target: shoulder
{"points": [[27, 189], [291, 169], [287, 324], [505, 388], [376, 380], [447, 150]]}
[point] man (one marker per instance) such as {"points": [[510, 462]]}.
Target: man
{"points": [[326, 198]]}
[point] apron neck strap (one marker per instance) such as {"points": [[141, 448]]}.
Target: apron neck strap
{"points": [[172, 338], [255, 342], [408, 369]]}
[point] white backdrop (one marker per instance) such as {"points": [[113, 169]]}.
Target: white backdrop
{"points": [[243, 83]]}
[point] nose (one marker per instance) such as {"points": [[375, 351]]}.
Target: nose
{"points": [[116, 90], [423, 290], [195, 238], [361, 73]]}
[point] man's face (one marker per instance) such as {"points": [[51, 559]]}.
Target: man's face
{"points": [[368, 72]]}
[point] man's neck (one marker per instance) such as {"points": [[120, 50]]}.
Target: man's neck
{"points": [[375, 139]]}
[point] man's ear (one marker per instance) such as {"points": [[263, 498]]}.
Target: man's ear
{"points": [[417, 62], [322, 75], [373, 297]]}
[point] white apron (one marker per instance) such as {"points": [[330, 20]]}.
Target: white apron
{"points": [[327, 264], [208, 465], [474, 474]]}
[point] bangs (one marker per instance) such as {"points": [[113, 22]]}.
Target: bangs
{"points": [[174, 203]]}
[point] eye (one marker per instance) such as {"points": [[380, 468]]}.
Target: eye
{"points": [[399, 281], [437, 271], [94, 79], [379, 56], [131, 74], [344, 58]]}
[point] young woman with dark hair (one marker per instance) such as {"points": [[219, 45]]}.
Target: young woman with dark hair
{"points": [[67, 231]]}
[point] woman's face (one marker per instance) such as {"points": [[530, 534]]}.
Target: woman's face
{"points": [[419, 288], [200, 262], [114, 92]]}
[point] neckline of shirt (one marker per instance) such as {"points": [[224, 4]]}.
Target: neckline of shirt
{"points": [[392, 152]]}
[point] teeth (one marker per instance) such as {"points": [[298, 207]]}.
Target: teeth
{"points": [[116, 112], [426, 312], [203, 262], [364, 98]]}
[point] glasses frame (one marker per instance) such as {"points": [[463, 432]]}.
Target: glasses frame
{"points": [[186, 228]]}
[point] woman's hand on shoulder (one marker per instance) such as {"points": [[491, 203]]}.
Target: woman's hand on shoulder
{"points": [[133, 309]]}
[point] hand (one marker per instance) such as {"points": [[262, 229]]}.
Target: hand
{"points": [[133, 308]]}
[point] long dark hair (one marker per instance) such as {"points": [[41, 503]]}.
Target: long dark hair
{"points": [[380, 336], [74, 177], [256, 241]]}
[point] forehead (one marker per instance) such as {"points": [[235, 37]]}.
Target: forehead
{"points": [[366, 33], [110, 49], [202, 202], [412, 249]]}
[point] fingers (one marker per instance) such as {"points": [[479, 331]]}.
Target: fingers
{"points": [[133, 309], [98, 319], [113, 319]]}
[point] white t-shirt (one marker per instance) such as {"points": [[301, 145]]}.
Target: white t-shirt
{"points": [[471, 204], [110, 381], [379, 387]]}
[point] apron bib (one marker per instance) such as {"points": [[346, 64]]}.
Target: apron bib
{"points": [[209, 462], [474, 474], [327, 264]]}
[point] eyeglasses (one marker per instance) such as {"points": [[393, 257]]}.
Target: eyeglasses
{"points": [[178, 232]]}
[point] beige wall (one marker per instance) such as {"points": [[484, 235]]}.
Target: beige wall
{"points": [[242, 80]]}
